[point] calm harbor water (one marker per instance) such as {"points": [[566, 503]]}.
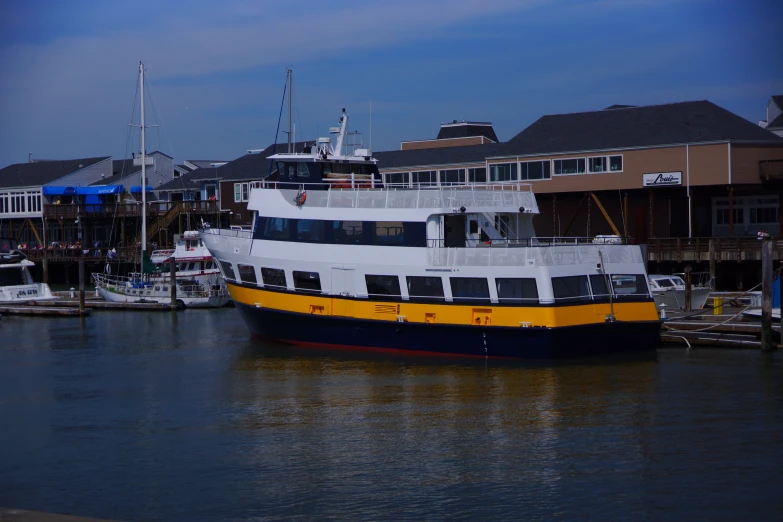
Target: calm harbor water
{"points": [[158, 416]]}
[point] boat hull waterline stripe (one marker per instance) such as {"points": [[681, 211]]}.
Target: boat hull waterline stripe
{"points": [[485, 315]]}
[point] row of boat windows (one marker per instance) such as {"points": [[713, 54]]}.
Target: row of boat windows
{"points": [[509, 290], [381, 233]]}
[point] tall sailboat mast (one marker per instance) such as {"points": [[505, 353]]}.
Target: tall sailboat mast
{"points": [[143, 168], [290, 97]]}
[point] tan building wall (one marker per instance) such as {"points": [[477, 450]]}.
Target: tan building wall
{"points": [[745, 161], [703, 164]]}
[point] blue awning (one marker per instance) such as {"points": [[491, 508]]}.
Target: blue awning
{"points": [[58, 191], [100, 190], [135, 189]]}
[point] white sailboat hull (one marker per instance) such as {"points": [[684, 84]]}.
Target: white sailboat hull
{"points": [[124, 290], [674, 298]]}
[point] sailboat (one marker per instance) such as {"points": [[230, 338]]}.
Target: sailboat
{"points": [[153, 284]]}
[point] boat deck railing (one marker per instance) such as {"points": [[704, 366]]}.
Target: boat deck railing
{"points": [[516, 197], [527, 242]]}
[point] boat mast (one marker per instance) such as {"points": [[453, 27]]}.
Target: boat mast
{"points": [[290, 97], [143, 169]]}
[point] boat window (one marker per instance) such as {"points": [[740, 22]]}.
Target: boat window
{"points": [[157, 289], [516, 290], [247, 273], [473, 288], [191, 265], [664, 283], [426, 287], [633, 284], [310, 230], [389, 233], [571, 288], [165, 288], [273, 277], [347, 232], [228, 270], [11, 277], [383, 285], [307, 281], [678, 281], [598, 284]]}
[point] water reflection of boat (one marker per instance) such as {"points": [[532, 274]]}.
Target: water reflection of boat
{"points": [[669, 290], [16, 282]]}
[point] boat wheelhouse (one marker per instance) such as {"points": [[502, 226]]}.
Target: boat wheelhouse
{"points": [[337, 258]]}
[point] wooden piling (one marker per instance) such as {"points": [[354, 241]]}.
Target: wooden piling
{"points": [[173, 278], [688, 289], [713, 285], [766, 295], [81, 286], [45, 265]]}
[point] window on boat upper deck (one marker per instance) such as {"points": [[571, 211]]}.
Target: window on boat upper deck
{"points": [[347, 232], [389, 233], [310, 281], [470, 288], [387, 286], [228, 270], [570, 288], [425, 287], [247, 273], [632, 284], [310, 230], [275, 228], [273, 277], [516, 290]]}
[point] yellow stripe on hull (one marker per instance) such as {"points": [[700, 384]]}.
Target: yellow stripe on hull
{"points": [[443, 313]]}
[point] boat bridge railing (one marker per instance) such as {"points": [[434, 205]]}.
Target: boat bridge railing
{"points": [[532, 255], [528, 242], [243, 234]]}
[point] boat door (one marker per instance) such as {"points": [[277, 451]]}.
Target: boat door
{"points": [[343, 290]]}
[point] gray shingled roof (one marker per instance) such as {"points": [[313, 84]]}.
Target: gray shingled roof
{"points": [[40, 173], [426, 158], [467, 129], [685, 122]]}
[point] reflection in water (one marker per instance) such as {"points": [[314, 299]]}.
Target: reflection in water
{"points": [[161, 416]]}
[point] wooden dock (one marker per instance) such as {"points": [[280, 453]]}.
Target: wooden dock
{"points": [[49, 311], [100, 304], [729, 330]]}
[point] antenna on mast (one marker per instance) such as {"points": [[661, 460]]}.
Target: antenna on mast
{"points": [[370, 126]]}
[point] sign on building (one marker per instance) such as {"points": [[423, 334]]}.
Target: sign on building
{"points": [[660, 179]]}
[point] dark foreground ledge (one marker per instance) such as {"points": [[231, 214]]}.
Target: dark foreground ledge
{"points": [[21, 515]]}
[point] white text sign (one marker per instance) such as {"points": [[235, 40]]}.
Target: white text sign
{"points": [[659, 179]]}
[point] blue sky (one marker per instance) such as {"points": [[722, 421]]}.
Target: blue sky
{"points": [[68, 69]]}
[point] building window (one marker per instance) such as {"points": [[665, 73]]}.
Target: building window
{"points": [[503, 172], [228, 270], [477, 175], [426, 177], [569, 166], [597, 164], [534, 170], [237, 192], [273, 277], [469, 288], [309, 281], [398, 179], [452, 177], [516, 290], [615, 163], [571, 288], [383, 285], [722, 216], [425, 287], [247, 273]]}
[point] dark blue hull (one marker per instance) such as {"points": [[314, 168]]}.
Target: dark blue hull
{"points": [[527, 343]]}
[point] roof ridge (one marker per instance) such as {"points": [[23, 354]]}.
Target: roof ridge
{"points": [[629, 108]]}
